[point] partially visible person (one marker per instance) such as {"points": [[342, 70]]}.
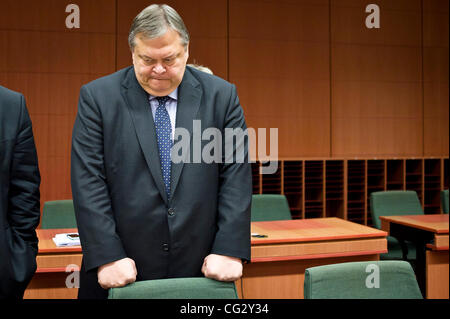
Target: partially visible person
{"points": [[19, 196], [200, 68]]}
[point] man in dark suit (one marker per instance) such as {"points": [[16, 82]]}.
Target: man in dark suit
{"points": [[140, 214], [19, 196]]}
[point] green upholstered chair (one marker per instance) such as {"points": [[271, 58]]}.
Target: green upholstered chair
{"points": [[176, 288], [58, 214], [268, 207], [392, 203], [386, 279], [444, 201]]}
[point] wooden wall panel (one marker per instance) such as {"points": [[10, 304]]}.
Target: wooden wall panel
{"points": [[353, 92], [279, 60], [49, 15], [48, 63], [205, 20], [376, 80], [436, 84]]}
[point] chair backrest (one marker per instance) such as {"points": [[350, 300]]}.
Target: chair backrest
{"points": [[444, 201], [385, 279], [58, 214], [176, 288], [268, 207], [392, 203]]}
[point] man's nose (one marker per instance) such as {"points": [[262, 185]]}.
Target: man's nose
{"points": [[159, 68]]}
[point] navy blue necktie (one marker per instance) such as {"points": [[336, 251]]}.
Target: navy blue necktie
{"points": [[164, 137]]}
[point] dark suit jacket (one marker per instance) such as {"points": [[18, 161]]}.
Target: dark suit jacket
{"points": [[19, 196], [119, 196]]}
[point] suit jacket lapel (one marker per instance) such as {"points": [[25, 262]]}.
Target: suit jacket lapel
{"points": [[189, 97], [141, 114]]}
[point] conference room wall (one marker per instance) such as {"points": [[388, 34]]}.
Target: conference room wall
{"points": [[311, 68], [436, 68], [377, 95], [48, 63], [279, 60]]}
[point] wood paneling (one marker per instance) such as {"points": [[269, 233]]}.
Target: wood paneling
{"points": [[435, 65], [376, 80], [50, 15], [310, 68], [279, 60], [49, 63]]}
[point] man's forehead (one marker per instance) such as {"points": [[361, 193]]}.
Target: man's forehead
{"points": [[157, 47], [169, 37], [155, 53]]}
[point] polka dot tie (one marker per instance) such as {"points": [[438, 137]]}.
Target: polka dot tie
{"points": [[164, 137]]}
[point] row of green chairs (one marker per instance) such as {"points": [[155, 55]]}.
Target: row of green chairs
{"points": [[347, 280], [61, 213], [384, 203], [353, 280], [267, 207]]}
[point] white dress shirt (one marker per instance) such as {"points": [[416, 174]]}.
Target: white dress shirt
{"points": [[171, 107]]}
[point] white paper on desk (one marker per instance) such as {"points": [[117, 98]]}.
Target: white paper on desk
{"points": [[61, 240]]}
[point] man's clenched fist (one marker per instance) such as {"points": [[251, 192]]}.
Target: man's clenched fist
{"points": [[117, 274], [222, 268]]}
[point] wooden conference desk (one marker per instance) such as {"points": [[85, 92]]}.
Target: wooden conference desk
{"points": [[49, 282], [429, 233], [278, 261]]}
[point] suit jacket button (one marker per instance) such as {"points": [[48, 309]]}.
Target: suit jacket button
{"points": [[165, 247], [171, 212]]}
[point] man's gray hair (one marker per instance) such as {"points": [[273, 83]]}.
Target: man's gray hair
{"points": [[153, 22]]}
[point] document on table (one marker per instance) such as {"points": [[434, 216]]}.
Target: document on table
{"points": [[68, 239]]}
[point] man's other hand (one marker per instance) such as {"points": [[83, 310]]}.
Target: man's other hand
{"points": [[117, 274], [222, 268]]}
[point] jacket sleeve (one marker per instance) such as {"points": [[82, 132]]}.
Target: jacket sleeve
{"points": [[95, 218], [23, 204], [24, 196], [235, 191]]}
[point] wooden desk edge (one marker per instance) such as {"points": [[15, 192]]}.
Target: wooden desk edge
{"points": [[319, 256], [268, 241], [60, 250], [387, 221], [50, 270], [436, 248]]}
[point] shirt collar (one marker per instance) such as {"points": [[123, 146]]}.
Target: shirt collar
{"points": [[173, 95]]}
